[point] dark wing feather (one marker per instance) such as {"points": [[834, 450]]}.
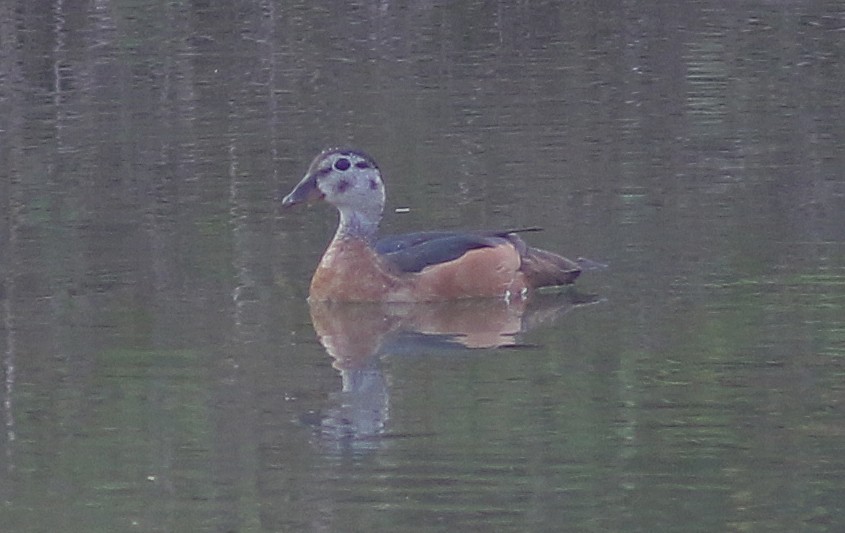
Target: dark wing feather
{"points": [[415, 251], [395, 243]]}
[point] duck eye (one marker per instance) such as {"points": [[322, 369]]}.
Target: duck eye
{"points": [[342, 164]]}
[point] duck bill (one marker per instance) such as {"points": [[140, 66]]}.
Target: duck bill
{"points": [[306, 191]]}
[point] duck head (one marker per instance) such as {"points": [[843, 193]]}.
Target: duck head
{"points": [[351, 181]]}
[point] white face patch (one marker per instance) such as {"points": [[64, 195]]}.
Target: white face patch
{"points": [[350, 181]]}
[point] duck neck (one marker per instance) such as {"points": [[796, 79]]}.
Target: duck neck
{"points": [[357, 224]]}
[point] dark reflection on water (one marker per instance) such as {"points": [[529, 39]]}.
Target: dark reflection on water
{"points": [[161, 369], [357, 336]]}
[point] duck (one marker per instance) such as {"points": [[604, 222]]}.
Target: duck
{"points": [[425, 266]]}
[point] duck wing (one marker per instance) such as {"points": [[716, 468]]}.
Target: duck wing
{"points": [[413, 252]]}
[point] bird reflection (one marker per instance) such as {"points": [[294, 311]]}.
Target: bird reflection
{"points": [[358, 336]]}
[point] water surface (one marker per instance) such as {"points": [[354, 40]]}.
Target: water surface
{"points": [[163, 371]]}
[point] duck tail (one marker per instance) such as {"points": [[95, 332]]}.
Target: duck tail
{"points": [[542, 268]]}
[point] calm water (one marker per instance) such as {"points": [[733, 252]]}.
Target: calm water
{"points": [[162, 370]]}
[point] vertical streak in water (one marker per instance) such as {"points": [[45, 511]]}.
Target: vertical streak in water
{"points": [[11, 200], [9, 326], [58, 49], [237, 214], [707, 80]]}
